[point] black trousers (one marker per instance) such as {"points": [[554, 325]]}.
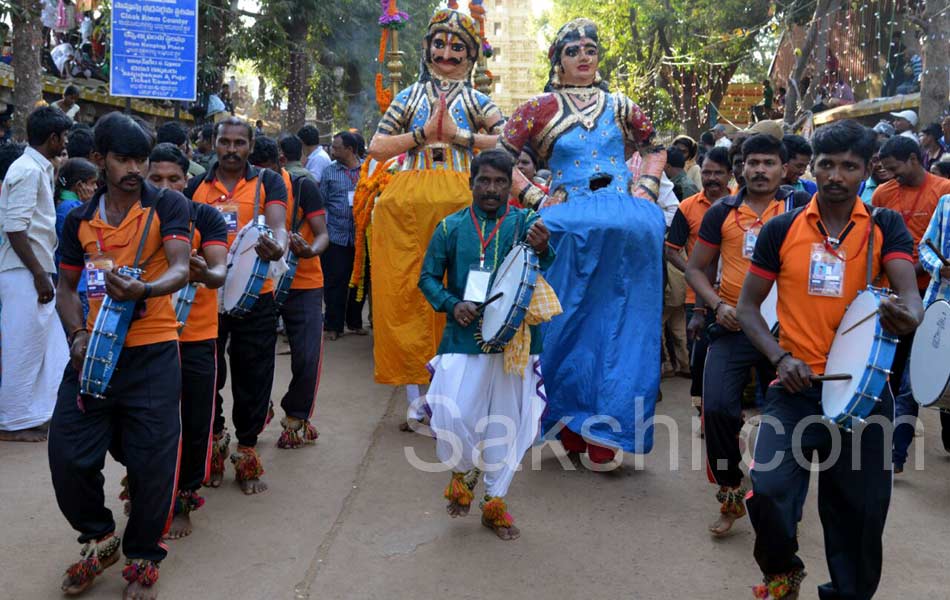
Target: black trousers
{"points": [[141, 416], [199, 373], [303, 321], [253, 340], [342, 306], [728, 363], [697, 353], [854, 490]]}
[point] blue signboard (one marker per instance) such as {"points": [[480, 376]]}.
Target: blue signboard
{"points": [[154, 49]]}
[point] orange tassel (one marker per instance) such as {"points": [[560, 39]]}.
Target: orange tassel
{"points": [[496, 513], [457, 491]]}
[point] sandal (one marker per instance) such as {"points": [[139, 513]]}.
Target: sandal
{"points": [[96, 557]]}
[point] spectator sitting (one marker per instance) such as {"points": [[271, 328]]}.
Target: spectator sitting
{"points": [[69, 103], [841, 94]]}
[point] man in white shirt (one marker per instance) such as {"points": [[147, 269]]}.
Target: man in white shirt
{"points": [[905, 122], [317, 158], [69, 103], [29, 325]]}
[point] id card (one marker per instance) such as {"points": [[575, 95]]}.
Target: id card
{"points": [[826, 272], [229, 211], [748, 241], [476, 286], [96, 267], [349, 197]]}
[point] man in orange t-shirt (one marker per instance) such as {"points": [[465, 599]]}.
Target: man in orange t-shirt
{"points": [[133, 224], [242, 192], [302, 308], [198, 334], [854, 482]]}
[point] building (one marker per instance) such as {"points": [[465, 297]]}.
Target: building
{"points": [[509, 26]]}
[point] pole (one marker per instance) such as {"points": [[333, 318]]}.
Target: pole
{"points": [[395, 64]]}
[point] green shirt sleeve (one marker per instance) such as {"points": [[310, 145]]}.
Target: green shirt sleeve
{"points": [[434, 265]]}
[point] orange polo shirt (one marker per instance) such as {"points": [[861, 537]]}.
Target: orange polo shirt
{"points": [[87, 233], [725, 227], [206, 189], [304, 202], [684, 230], [783, 254], [209, 230], [916, 205]]}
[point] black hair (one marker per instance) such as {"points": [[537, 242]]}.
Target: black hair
{"points": [[71, 90], [707, 138], [361, 144], [762, 143], [234, 122], [796, 145], [80, 143], [207, 132], [720, 156], [349, 141], [943, 167], [900, 148], [685, 140], [736, 148], [44, 122], [574, 31], [172, 132], [309, 135], [495, 158], [9, 152], [121, 134], [265, 152], [675, 158], [291, 146], [527, 149], [170, 152], [846, 136], [72, 172], [934, 130]]}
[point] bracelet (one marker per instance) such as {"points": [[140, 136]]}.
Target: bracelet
{"points": [[72, 334], [148, 290], [464, 138], [781, 357], [418, 136]]}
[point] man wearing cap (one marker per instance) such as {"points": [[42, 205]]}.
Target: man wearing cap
{"points": [[904, 123], [722, 140]]}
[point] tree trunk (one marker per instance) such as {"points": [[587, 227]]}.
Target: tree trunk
{"points": [[824, 8], [298, 76], [935, 81], [27, 68]]}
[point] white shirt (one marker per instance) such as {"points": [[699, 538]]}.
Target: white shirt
{"points": [[317, 162], [71, 112], [26, 204], [61, 55], [910, 134], [724, 142]]}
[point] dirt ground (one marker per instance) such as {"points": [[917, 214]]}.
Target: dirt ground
{"points": [[351, 518]]}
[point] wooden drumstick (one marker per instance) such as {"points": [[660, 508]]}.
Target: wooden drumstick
{"points": [[832, 377], [938, 253], [861, 322], [481, 307]]}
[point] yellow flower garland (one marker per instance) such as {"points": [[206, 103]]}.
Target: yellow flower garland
{"points": [[368, 189]]}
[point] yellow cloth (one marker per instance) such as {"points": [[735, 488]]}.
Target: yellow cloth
{"points": [[544, 307], [406, 330]]}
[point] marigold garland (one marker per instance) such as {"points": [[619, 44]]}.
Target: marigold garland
{"points": [[368, 189]]}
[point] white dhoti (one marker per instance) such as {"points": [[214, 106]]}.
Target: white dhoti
{"points": [[483, 417], [35, 353]]}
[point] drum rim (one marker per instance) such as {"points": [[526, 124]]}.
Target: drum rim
{"points": [[946, 386], [507, 329]]}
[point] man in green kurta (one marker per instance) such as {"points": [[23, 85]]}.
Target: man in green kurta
{"points": [[483, 418]]}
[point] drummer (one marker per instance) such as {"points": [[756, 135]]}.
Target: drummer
{"points": [[472, 398], [231, 186], [728, 231], [854, 490], [141, 412], [168, 168]]}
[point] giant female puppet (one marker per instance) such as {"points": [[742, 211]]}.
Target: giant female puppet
{"points": [[435, 122], [601, 361]]}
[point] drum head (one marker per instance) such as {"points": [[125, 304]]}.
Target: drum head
{"points": [[850, 353], [239, 272], [507, 281], [930, 355], [769, 308]]}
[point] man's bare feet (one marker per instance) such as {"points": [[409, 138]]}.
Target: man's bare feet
{"points": [[137, 591], [33, 434], [248, 470], [457, 510], [505, 533], [495, 517], [180, 527], [732, 508], [723, 524], [359, 331], [334, 335], [81, 575], [252, 486], [219, 451]]}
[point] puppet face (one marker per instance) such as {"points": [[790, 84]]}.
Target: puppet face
{"points": [[449, 56], [579, 62]]}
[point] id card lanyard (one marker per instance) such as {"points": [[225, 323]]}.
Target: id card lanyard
{"points": [[483, 241], [478, 279]]}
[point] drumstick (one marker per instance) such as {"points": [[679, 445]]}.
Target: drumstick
{"points": [[861, 322], [832, 377], [937, 252], [481, 307]]}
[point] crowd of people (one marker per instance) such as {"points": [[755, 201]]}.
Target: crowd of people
{"points": [[647, 261]]}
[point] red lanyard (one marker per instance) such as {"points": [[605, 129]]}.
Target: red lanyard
{"points": [[481, 238], [352, 178], [101, 244], [833, 248], [758, 220]]}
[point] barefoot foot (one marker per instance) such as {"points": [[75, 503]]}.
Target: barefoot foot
{"points": [[723, 524], [505, 533], [252, 486], [456, 509], [137, 591], [180, 527]]}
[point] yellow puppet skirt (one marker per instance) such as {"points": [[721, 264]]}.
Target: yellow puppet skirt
{"points": [[406, 330]]}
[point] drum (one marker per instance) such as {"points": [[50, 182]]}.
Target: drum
{"points": [[106, 341], [769, 310], [930, 358], [286, 280], [863, 350], [247, 271], [515, 280], [183, 299]]}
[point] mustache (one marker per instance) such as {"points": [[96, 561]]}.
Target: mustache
{"points": [[758, 178], [231, 156], [132, 179], [711, 183], [495, 197], [451, 61]]}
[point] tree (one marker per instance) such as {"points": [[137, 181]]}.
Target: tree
{"points": [[682, 53], [27, 68], [934, 23], [817, 35]]}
